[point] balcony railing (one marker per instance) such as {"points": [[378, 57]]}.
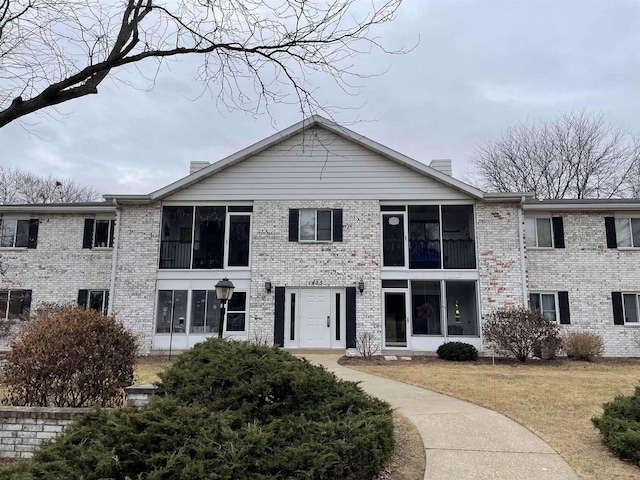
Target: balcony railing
{"points": [[425, 254], [177, 254]]}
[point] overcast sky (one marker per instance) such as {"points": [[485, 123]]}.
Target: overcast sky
{"points": [[480, 66]]}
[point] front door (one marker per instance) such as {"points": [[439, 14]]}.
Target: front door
{"points": [[315, 318], [395, 319]]}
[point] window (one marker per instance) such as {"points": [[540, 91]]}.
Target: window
{"points": [[94, 299], [545, 303], [18, 233], [205, 237], [544, 232], [315, 225], [205, 312], [14, 304], [425, 305], [626, 233], [172, 311], [429, 236], [98, 233], [626, 308], [462, 308], [553, 305], [236, 312]]}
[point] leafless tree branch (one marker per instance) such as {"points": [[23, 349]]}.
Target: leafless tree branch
{"points": [[576, 155], [254, 52]]}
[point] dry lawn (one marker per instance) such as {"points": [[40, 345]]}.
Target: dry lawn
{"points": [[555, 399], [147, 369]]}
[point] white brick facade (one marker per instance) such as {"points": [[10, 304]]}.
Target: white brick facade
{"points": [[299, 264], [138, 245], [589, 271]]}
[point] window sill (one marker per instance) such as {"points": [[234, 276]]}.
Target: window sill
{"points": [[628, 249], [101, 249], [543, 248], [14, 249], [632, 325], [324, 242]]}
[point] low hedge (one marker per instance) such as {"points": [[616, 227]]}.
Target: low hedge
{"points": [[457, 351], [620, 425], [228, 410]]}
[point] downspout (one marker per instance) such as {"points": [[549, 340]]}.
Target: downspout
{"points": [[523, 268], [114, 259]]}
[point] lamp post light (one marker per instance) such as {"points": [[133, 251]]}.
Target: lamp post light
{"points": [[224, 292]]}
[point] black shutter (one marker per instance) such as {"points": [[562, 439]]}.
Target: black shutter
{"points": [[33, 233], [26, 301], [351, 317], [82, 298], [293, 224], [112, 231], [278, 330], [610, 228], [563, 303], [618, 315], [337, 224], [558, 232], [87, 239], [105, 307]]}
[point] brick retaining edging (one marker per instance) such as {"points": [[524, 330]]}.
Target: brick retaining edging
{"points": [[22, 429]]}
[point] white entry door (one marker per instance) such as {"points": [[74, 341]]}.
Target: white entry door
{"points": [[315, 318]]}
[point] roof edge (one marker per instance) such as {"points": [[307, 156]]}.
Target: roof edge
{"points": [[45, 208]]}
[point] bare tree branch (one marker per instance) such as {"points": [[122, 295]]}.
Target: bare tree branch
{"points": [[19, 186], [255, 52], [576, 155]]}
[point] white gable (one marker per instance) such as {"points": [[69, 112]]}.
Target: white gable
{"points": [[317, 164]]}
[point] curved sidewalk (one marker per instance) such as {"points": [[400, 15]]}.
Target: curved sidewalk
{"points": [[461, 440]]}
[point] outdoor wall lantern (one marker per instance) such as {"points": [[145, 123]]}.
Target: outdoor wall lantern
{"points": [[267, 286], [361, 286], [224, 292]]}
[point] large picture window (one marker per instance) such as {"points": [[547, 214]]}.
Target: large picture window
{"points": [[205, 237], [433, 236]]}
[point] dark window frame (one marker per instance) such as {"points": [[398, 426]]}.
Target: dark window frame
{"points": [[27, 239]]}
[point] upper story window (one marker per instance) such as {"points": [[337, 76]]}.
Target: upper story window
{"points": [[205, 237], [544, 232], [622, 232], [428, 236], [315, 225], [19, 232], [14, 304], [98, 233]]}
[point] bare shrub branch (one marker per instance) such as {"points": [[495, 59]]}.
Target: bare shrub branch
{"points": [[576, 155]]}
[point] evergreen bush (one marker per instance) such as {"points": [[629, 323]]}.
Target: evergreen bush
{"points": [[457, 351], [70, 356], [228, 410], [620, 425]]}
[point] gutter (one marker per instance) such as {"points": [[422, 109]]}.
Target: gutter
{"points": [[114, 258], [523, 268]]}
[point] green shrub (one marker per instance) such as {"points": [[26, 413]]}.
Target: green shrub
{"points": [[70, 357], [583, 346], [518, 331], [457, 351], [228, 411], [620, 425]]}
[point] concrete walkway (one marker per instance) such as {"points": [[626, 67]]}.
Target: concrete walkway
{"points": [[461, 440]]}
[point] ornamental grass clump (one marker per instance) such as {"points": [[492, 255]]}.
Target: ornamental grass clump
{"points": [[70, 356], [226, 411]]}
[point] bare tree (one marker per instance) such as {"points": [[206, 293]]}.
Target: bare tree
{"points": [[575, 155], [254, 52], [19, 186]]}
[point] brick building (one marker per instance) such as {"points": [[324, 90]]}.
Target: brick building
{"points": [[328, 236]]}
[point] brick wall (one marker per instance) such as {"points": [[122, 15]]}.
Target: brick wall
{"points": [[499, 259], [59, 267], [137, 266], [589, 271], [22, 429], [336, 264]]}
